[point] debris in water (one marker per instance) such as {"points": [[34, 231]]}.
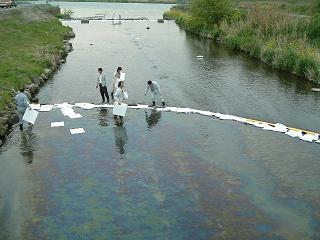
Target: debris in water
{"points": [[46, 108], [57, 124], [77, 130], [315, 89]]}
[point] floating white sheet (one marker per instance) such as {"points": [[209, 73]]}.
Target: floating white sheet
{"points": [[308, 137], [46, 108], [293, 133], [85, 105], [57, 124], [35, 106], [139, 107], [77, 130], [68, 111], [30, 116], [63, 105]]}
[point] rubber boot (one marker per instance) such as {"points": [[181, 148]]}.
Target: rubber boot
{"points": [[21, 126], [153, 103], [163, 104]]}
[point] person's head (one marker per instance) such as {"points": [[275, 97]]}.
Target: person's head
{"points": [[121, 84], [100, 70], [21, 89], [149, 82], [119, 69]]}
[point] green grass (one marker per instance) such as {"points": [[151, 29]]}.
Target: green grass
{"points": [[292, 6], [26, 49]]}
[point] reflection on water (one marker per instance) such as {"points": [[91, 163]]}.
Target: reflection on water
{"points": [[120, 137], [153, 118], [28, 144], [103, 114], [191, 178]]}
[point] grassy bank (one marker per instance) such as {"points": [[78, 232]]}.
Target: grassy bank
{"points": [[280, 39], [127, 1], [29, 43]]}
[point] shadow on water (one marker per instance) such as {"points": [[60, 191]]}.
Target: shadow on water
{"points": [[153, 118], [120, 137], [103, 114]]}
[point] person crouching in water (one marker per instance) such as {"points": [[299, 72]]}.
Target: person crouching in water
{"points": [[155, 91], [119, 95], [22, 103]]}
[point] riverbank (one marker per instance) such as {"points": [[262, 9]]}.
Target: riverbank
{"points": [[279, 39], [126, 1], [34, 45]]}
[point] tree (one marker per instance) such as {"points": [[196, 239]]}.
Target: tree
{"points": [[211, 11]]}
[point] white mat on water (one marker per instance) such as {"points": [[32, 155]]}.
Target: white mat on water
{"points": [[57, 124], [68, 111], [77, 130], [46, 108], [35, 106]]}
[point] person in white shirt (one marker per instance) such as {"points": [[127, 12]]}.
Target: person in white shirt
{"points": [[102, 83], [155, 92], [115, 80], [119, 94]]}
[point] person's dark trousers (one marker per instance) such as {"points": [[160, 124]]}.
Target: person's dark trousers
{"points": [[103, 92]]}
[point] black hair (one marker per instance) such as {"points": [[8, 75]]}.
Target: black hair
{"points": [[149, 82], [22, 89], [100, 69], [119, 69], [119, 84]]}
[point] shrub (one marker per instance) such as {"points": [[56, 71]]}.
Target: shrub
{"points": [[211, 11], [313, 30], [285, 59]]}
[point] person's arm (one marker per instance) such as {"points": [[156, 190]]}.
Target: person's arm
{"points": [[104, 79], [116, 95], [26, 101], [98, 78], [147, 90], [114, 76]]}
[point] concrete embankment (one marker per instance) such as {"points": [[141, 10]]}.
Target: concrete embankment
{"points": [[33, 45]]}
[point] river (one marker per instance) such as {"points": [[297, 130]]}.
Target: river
{"points": [[163, 175]]}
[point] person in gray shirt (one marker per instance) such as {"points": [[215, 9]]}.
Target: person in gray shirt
{"points": [[22, 103], [155, 91], [102, 83]]}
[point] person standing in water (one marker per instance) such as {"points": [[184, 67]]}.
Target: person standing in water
{"points": [[102, 83], [22, 103], [119, 94], [155, 92], [115, 81]]}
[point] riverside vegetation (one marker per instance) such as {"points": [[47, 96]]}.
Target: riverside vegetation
{"points": [[270, 32], [33, 45]]}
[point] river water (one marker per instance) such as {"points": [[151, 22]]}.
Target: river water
{"points": [[163, 175]]}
